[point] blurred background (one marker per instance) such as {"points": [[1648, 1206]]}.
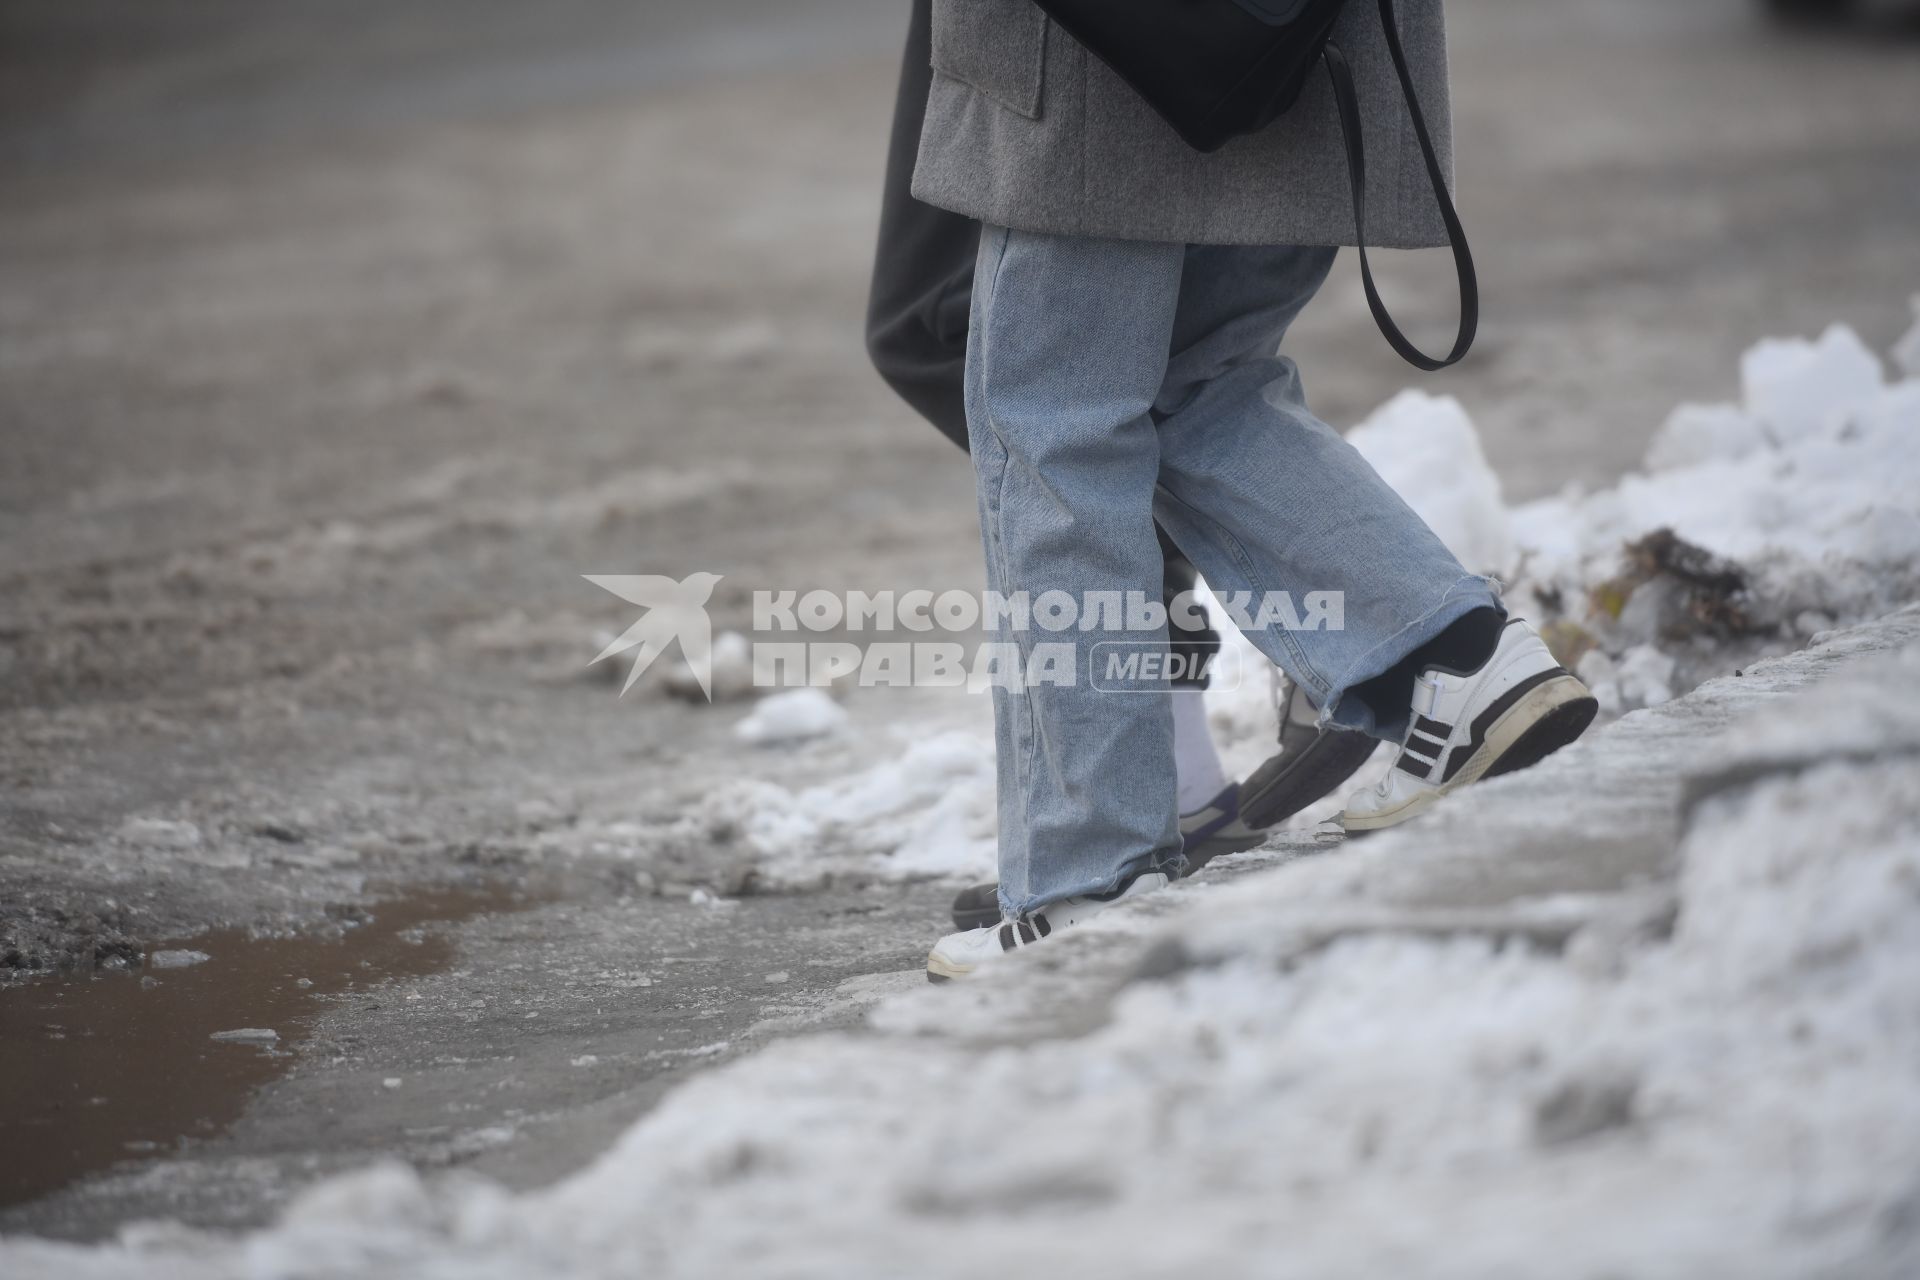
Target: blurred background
{"points": [[277, 263], [338, 339], [333, 332]]}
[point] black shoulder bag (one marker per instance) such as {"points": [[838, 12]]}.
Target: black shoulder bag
{"points": [[1216, 69]]}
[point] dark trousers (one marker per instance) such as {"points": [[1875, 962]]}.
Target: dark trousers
{"points": [[922, 293]]}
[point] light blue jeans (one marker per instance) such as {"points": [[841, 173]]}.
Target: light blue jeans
{"points": [[1110, 381]]}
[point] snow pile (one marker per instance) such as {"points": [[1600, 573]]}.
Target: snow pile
{"points": [[1694, 434], [792, 715], [1752, 527], [926, 811], [1805, 493], [1427, 449], [1796, 389], [1739, 1098], [1808, 487]]}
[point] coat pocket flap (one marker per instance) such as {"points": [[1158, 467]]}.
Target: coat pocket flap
{"points": [[997, 46]]}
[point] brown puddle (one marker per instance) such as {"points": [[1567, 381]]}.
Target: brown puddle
{"points": [[101, 1068]]}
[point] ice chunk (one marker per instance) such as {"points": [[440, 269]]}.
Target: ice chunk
{"points": [[176, 959], [248, 1035], [791, 716], [1798, 388], [1427, 449], [1695, 433]]}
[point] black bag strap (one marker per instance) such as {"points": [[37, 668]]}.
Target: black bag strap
{"points": [[1349, 105]]}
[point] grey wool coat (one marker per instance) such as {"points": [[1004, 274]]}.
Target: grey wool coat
{"points": [[1026, 129]]}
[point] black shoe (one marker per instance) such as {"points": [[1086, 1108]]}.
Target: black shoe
{"points": [[1211, 830], [1311, 765], [978, 907]]}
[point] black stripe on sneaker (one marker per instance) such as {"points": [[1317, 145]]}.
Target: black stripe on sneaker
{"points": [[1006, 938], [1432, 728], [1040, 923], [1414, 765], [1027, 934], [1483, 723]]}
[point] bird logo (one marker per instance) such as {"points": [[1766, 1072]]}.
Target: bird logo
{"points": [[674, 611]]}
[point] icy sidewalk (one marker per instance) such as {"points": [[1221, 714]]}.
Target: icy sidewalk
{"points": [[1591, 835], [1650, 1009]]}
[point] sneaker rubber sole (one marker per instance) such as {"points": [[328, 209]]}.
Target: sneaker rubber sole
{"points": [[941, 969]]}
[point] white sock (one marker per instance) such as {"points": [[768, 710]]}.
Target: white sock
{"points": [[1196, 765]]}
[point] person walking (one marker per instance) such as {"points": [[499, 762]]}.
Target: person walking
{"points": [[1124, 363], [917, 314]]}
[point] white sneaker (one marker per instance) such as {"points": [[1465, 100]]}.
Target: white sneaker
{"points": [[958, 955], [1518, 708]]}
